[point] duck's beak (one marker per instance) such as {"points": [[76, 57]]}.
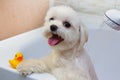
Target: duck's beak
{"points": [[20, 58]]}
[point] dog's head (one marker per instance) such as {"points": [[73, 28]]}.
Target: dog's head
{"points": [[63, 28]]}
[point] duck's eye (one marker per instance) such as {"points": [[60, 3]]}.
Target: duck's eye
{"points": [[15, 55], [66, 24], [51, 18]]}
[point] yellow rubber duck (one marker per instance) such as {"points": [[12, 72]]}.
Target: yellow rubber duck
{"points": [[18, 58]]}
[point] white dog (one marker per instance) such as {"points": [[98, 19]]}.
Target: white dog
{"points": [[66, 35]]}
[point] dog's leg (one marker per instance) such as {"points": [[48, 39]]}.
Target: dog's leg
{"points": [[31, 66], [34, 66]]}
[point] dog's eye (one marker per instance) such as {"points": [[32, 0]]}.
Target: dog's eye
{"points": [[51, 18], [66, 24]]}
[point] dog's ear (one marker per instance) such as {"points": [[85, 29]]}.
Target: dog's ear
{"points": [[83, 35]]}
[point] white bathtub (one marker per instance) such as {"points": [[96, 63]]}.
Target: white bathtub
{"points": [[103, 47]]}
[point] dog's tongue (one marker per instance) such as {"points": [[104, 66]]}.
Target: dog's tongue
{"points": [[54, 40]]}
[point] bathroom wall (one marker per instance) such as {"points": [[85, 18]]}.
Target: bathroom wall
{"points": [[18, 16]]}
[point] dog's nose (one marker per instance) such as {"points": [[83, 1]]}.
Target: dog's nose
{"points": [[53, 27]]}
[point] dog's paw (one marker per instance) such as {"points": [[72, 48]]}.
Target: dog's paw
{"points": [[25, 68], [25, 73]]}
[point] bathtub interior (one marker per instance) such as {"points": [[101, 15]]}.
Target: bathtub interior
{"points": [[103, 46], [32, 44]]}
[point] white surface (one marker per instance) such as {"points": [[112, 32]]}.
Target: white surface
{"points": [[103, 47], [92, 21], [90, 6]]}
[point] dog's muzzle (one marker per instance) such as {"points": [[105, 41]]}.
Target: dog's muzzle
{"points": [[55, 38]]}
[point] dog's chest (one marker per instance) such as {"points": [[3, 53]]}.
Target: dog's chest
{"points": [[75, 62]]}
